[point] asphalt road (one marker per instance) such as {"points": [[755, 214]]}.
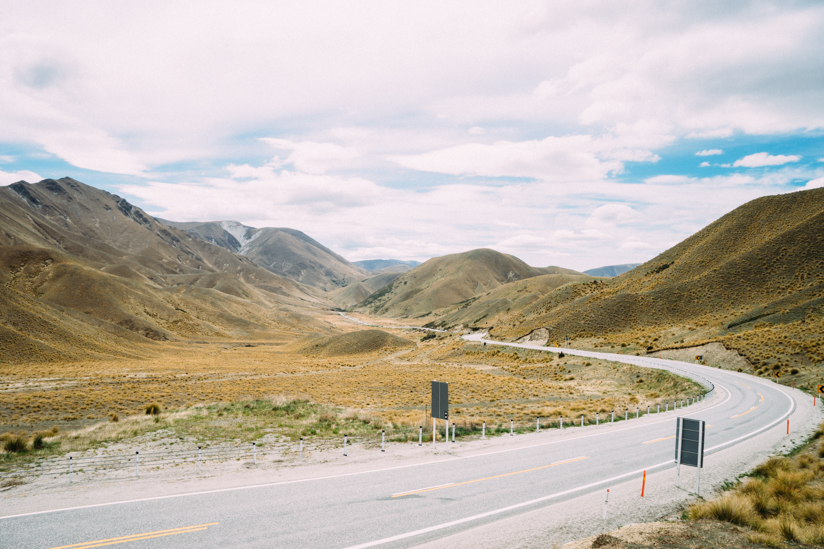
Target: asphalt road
{"points": [[408, 505]]}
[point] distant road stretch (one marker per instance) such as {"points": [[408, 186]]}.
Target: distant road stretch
{"points": [[411, 504]]}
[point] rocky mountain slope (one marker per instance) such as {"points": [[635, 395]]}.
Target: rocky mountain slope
{"points": [[83, 271], [286, 252]]}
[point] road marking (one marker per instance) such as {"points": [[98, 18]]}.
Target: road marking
{"points": [[744, 384], [659, 439], [667, 438], [441, 487], [136, 537], [762, 397], [745, 413]]}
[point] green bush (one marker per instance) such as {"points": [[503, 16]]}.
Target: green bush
{"points": [[152, 410], [38, 443], [15, 444]]}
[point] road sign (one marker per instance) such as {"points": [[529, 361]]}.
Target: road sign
{"points": [[821, 388], [778, 374], [689, 442], [689, 447], [440, 400]]}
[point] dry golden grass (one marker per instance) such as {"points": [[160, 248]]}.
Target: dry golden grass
{"points": [[783, 501], [393, 385]]}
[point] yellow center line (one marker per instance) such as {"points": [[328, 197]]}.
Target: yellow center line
{"points": [[744, 384], [136, 537], [487, 478], [666, 438], [762, 397], [745, 413]]}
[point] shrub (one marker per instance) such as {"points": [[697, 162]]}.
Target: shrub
{"points": [[15, 444], [114, 418], [38, 443], [153, 410], [732, 508]]}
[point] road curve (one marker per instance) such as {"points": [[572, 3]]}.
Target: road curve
{"points": [[410, 504]]}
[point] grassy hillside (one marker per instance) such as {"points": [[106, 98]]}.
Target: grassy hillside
{"points": [[82, 272], [447, 280], [753, 281]]}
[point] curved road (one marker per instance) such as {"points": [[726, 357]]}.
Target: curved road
{"points": [[408, 505]]}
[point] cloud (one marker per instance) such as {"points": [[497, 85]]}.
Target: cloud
{"points": [[709, 152], [815, 183], [312, 157], [7, 178], [704, 165], [761, 159], [476, 130]]}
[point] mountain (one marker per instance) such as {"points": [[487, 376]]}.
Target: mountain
{"points": [[286, 252], [356, 292], [752, 281], [383, 264], [444, 281], [611, 271], [84, 272]]}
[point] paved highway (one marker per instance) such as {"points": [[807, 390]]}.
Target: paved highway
{"points": [[407, 505]]}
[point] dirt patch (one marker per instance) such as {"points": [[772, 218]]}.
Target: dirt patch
{"points": [[356, 343], [675, 535], [714, 354]]}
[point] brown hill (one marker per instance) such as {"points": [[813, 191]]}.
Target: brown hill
{"points": [[751, 280], [286, 252], [87, 262], [354, 343], [356, 292], [451, 279]]}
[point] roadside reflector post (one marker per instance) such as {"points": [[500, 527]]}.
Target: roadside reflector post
{"points": [[562, 423], [788, 426], [198, 459], [483, 430], [626, 414], [647, 409], [453, 432], [644, 483], [636, 412], [383, 440], [659, 408], [666, 404], [434, 426], [301, 447], [510, 428], [613, 416], [70, 469], [137, 463], [446, 433], [596, 419], [254, 452], [582, 420], [606, 502], [344, 445], [420, 435], [537, 425]]}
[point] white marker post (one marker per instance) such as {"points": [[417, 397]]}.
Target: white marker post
{"points": [[434, 426], [483, 431], [537, 425], [383, 440], [420, 435], [698, 472], [596, 419], [606, 502], [453, 432], [344, 445], [301, 447], [137, 463], [678, 453], [510, 428], [70, 469]]}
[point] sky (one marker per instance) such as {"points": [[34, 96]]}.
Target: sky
{"points": [[576, 134]]}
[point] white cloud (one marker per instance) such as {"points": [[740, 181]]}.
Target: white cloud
{"points": [[704, 165], [758, 160], [7, 178], [709, 152], [815, 183], [312, 157], [476, 130]]}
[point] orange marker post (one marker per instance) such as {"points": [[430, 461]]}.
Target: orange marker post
{"points": [[788, 426], [644, 483]]}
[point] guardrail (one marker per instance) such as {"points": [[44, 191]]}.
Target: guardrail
{"points": [[74, 464]]}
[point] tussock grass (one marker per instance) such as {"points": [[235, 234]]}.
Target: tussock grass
{"points": [[783, 500]]}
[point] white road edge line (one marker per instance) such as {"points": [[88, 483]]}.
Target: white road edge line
{"points": [[504, 509]]}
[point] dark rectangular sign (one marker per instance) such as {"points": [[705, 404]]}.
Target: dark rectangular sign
{"points": [[689, 442], [440, 400]]}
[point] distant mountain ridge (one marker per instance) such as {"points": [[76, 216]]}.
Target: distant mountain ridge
{"points": [[611, 270], [283, 251], [381, 264]]}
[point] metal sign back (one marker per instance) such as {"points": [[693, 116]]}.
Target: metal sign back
{"points": [[689, 442], [440, 400]]}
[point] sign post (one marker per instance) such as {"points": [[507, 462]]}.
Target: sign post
{"points": [[689, 447], [440, 407]]}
